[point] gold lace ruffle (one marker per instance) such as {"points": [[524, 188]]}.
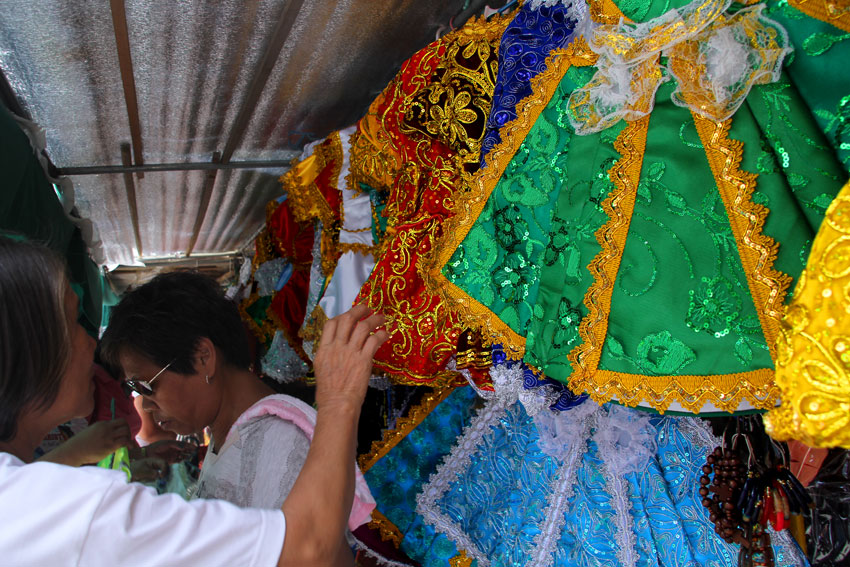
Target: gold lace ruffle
{"points": [[813, 347]]}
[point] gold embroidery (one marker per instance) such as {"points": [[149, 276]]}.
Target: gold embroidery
{"points": [[813, 349], [461, 560], [403, 427], [723, 391], [605, 12], [311, 330], [624, 42], [611, 236], [835, 12], [388, 530], [358, 247], [477, 190], [756, 250]]}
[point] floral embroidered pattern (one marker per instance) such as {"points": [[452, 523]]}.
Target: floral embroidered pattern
{"points": [[813, 366]]}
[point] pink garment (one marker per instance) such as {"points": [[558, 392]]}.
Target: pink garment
{"points": [[304, 417], [106, 389]]}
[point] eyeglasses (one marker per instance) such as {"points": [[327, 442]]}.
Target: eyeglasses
{"points": [[143, 387]]}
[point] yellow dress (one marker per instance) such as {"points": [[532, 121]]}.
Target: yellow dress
{"points": [[813, 348]]}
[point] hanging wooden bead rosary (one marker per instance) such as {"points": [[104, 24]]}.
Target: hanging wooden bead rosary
{"points": [[743, 499]]}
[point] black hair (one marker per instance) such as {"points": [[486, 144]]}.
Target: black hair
{"points": [[164, 319], [35, 343]]}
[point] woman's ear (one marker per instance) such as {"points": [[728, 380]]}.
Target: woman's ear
{"points": [[205, 357]]}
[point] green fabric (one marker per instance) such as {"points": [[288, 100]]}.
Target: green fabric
{"points": [[819, 71], [642, 10], [681, 302], [500, 259], [29, 205]]}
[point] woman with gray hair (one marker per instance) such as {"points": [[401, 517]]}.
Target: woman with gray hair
{"points": [[89, 516]]}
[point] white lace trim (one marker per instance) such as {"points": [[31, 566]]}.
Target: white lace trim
{"points": [[715, 59], [699, 433], [449, 470], [731, 56], [563, 433], [584, 417], [626, 442]]}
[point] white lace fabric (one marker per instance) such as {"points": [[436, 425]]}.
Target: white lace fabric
{"points": [[715, 59]]}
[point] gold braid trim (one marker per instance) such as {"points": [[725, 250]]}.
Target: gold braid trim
{"points": [[404, 426], [834, 12], [358, 247], [477, 190], [388, 530], [724, 391], [399, 375], [756, 250], [619, 206]]}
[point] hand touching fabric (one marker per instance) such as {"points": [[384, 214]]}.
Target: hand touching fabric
{"points": [[343, 362], [91, 444]]}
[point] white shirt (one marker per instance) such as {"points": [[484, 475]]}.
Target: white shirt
{"points": [[54, 515]]}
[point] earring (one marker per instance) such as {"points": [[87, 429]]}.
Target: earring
{"points": [[207, 378]]}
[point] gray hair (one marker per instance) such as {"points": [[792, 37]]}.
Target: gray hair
{"points": [[35, 337]]}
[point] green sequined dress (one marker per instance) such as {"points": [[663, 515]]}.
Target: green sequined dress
{"points": [[649, 262]]}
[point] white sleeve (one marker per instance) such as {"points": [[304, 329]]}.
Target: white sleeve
{"points": [[133, 526]]}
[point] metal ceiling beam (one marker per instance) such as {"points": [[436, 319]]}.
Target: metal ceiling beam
{"points": [[206, 195], [261, 75], [125, 62], [130, 186], [189, 166]]}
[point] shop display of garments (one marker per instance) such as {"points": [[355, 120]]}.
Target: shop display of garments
{"points": [[650, 208], [417, 140], [608, 486]]}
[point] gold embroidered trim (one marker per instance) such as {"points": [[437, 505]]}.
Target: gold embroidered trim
{"points": [[399, 375], [619, 206], [756, 250], [388, 530], [605, 12], [358, 247], [834, 12], [477, 190], [311, 330], [404, 426], [461, 560], [724, 391]]}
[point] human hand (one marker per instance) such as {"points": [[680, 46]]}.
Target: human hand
{"points": [[92, 444], [343, 362], [148, 470], [168, 450]]}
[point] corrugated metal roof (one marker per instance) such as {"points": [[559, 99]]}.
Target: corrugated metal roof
{"points": [[253, 80]]}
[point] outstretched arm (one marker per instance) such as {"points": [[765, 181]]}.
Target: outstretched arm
{"points": [[318, 506]]}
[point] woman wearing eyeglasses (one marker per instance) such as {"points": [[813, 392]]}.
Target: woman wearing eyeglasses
{"points": [[59, 515], [182, 347]]}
